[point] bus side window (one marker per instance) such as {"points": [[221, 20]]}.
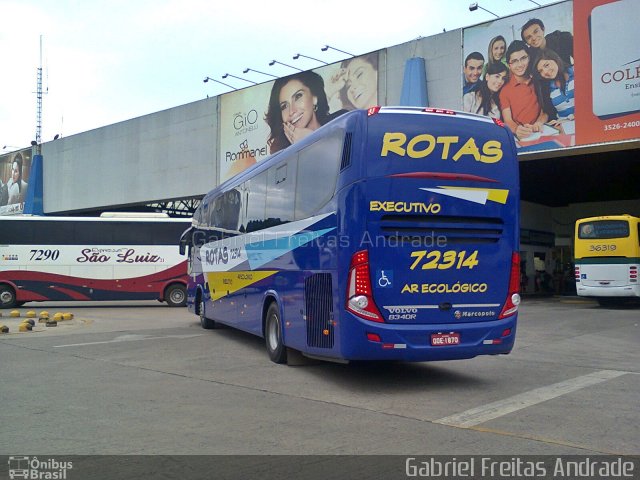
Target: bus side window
{"points": [[204, 212], [281, 192], [254, 217], [318, 168], [230, 214]]}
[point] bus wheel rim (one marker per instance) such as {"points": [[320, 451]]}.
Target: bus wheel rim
{"points": [[177, 296], [273, 332]]}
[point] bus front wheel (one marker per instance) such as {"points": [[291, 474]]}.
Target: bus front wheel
{"points": [[176, 295], [205, 322], [273, 335], [7, 297]]}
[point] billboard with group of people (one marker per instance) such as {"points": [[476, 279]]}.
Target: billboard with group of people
{"points": [[14, 181], [564, 75]]}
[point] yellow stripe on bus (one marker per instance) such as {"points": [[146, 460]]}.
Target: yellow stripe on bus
{"points": [[222, 284], [497, 195]]}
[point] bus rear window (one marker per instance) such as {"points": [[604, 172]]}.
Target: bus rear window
{"points": [[604, 229]]}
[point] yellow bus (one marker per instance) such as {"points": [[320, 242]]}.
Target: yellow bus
{"points": [[607, 258]]}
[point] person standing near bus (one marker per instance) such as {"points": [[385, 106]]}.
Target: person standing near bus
{"points": [[16, 186], [521, 108]]}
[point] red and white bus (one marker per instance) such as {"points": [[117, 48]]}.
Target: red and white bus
{"points": [[113, 257]]}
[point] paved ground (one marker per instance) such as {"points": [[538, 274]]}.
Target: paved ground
{"points": [[144, 378]]}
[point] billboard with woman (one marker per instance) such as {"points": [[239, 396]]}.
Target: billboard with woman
{"points": [[14, 181], [261, 120]]}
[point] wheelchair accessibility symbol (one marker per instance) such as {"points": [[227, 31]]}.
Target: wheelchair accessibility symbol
{"points": [[384, 278]]}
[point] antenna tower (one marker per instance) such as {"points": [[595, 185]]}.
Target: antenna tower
{"points": [[39, 100]]}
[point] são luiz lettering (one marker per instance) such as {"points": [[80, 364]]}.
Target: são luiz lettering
{"points": [[89, 255]]}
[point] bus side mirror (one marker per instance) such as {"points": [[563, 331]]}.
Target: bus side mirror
{"points": [[185, 239]]}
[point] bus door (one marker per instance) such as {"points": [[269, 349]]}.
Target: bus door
{"points": [[442, 222]]}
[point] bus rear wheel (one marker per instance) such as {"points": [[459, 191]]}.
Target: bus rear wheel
{"points": [[7, 297], [273, 335], [176, 295], [611, 301]]}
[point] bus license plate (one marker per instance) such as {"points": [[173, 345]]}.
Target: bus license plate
{"points": [[445, 339]]}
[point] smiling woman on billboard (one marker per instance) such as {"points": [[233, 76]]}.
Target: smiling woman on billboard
{"points": [[14, 176], [297, 106], [260, 120]]}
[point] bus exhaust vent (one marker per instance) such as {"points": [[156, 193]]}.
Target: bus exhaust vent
{"points": [[449, 229], [346, 152], [318, 300]]}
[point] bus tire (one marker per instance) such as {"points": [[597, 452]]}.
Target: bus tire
{"points": [[610, 301], [205, 322], [176, 295], [7, 297], [273, 335]]}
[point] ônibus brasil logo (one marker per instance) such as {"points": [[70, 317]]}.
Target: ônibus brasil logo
{"points": [[35, 469]]}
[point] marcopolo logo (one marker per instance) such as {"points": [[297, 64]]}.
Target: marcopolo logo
{"points": [[486, 313], [38, 469]]}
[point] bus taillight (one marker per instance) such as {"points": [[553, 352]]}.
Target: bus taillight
{"points": [[513, 296], [372, 111], [359, 291]]}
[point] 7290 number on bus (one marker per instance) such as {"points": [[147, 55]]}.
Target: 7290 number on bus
{"points": [[43, 255]]}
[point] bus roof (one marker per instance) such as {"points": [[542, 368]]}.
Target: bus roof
{"points": [[621, 216], [42, 218], [339, 121]]}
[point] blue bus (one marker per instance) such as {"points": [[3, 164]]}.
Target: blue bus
{"points": [[388, 234]]}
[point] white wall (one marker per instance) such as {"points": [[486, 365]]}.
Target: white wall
{"points": [[162, 156]]}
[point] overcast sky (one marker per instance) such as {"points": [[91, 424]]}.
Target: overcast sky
{"points": [[109, 61]]}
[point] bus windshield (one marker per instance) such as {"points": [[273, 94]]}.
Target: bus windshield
{"points": [[602, 229]]}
